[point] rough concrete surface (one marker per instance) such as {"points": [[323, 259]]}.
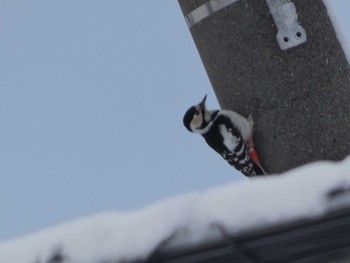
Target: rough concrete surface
{"points": [[299, 98]]}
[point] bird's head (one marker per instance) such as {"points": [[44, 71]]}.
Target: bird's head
{"points": [[196, 117]]}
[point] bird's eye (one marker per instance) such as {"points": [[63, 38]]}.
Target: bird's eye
{"points": [[196, 114]]}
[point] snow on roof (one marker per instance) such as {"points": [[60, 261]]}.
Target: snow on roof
{"points": [[339, 27], [188, 219]]}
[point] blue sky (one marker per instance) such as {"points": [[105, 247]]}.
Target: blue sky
{"points": [[92, 95]]}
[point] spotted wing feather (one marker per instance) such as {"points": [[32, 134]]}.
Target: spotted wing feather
{"points": [[240, 159]]}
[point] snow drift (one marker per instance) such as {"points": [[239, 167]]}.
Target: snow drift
{"points": [[188, 219]]}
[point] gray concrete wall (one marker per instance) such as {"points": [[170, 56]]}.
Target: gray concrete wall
{"points": [[299, 98]]}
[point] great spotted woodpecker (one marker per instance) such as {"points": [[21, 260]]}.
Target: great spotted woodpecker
{"points": [[228, 133]]}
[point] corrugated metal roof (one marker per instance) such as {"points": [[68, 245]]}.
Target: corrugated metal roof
{"points": [[312, 241]]}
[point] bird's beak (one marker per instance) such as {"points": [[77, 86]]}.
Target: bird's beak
{"points": [[202, 103]]}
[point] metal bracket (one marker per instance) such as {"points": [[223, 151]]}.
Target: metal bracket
{"points": [[290, 32]]}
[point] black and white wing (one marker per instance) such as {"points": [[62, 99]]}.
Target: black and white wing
{"points": [[236, 152]]}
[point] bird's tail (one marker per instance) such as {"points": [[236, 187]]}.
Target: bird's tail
{"points": [[255, 159]]}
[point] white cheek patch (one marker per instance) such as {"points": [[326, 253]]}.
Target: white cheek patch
{"points": [[230, 141], [196, 122]]}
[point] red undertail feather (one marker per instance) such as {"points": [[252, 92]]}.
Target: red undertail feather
{"points": [[254, 156]]}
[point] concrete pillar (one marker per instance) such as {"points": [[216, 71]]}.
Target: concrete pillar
{"points": [[299, 98]]}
